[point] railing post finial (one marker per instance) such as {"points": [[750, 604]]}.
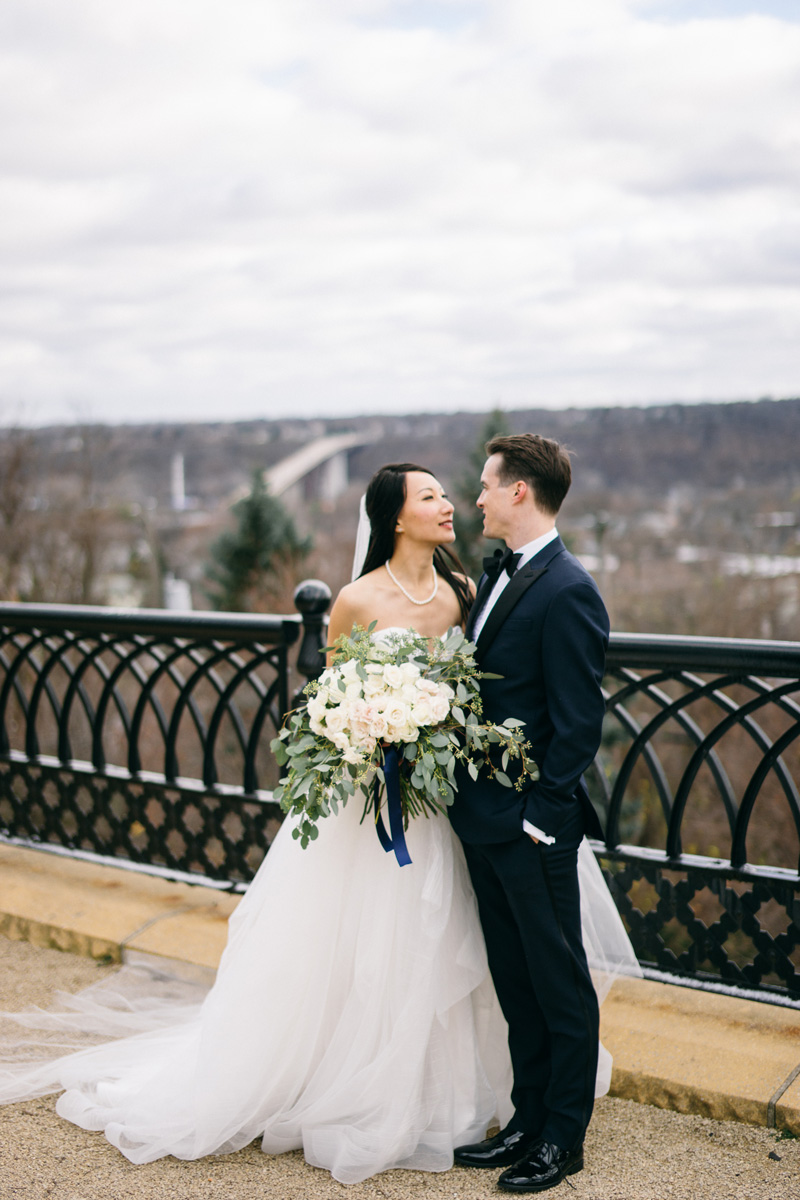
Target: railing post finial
{"points": [[312, 598]]}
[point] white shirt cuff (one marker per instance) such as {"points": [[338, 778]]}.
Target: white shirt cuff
{"points": [[537, 833]]}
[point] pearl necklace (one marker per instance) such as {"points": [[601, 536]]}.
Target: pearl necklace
{"points": [[405, 593]]}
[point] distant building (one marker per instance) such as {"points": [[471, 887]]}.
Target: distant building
{"points": [[178, 484]]}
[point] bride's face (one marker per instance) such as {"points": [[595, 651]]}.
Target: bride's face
{"points": [[427, 515]]}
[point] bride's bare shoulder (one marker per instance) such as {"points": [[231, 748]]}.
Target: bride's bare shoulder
{"points": [[361, 591], [355, 605]]}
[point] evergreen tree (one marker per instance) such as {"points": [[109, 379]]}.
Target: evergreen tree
{"points": [[249, 564], [471, 545]]}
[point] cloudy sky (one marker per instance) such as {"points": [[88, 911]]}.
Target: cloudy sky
{"points": [[234, 208]]}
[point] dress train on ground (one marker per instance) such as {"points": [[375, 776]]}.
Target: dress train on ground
{"points": [[352, 1016]]}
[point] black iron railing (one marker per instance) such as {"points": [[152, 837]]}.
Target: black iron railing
{"points": [[144, 736], [697, 780]]}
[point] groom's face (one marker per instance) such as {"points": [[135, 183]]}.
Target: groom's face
{"points": [[495, 500]]}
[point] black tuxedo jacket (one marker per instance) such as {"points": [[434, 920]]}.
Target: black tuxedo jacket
{"points": [[547, 637]]}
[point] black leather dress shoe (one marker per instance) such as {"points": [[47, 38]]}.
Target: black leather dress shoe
{"points": [[543, 1166], [506, 1147]]}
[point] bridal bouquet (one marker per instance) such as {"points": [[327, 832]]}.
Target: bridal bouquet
{"points": [[398, 711]]}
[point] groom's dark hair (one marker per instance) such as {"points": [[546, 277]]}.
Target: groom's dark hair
{"points": [[542, 463]]}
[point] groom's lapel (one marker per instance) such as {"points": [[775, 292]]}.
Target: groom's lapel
{"points": [[484, 590], [516, 587]]}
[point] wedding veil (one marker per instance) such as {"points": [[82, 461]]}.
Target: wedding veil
{"points": [[363, 534]]}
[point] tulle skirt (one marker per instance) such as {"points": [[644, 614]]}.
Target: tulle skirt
{"points": [[352, 1016]]}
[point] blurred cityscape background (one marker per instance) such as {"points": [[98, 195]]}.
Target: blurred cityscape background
{"points": [[687, 515]]}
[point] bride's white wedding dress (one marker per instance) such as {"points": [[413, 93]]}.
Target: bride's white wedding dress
{"points": [[352, 1016]]}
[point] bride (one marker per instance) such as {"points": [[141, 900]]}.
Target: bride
{"points": [[353, 1015]]}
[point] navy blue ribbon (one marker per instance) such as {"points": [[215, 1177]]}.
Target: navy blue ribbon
{"points": [[397, 841]]}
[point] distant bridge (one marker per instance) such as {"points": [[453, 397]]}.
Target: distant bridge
{"points": [[319, 470], [321, 467]]}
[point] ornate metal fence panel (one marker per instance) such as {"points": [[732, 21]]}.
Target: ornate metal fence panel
{"points": [[144, 735], [697, 779]]}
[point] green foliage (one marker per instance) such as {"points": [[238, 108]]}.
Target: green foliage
{"points": [[248, 562], [471, 545]]}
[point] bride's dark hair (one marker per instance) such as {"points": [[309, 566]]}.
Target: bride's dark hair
{"points": [[386, 495]]}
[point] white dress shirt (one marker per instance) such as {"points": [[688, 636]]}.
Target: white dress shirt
{"points": [[526, 553]]}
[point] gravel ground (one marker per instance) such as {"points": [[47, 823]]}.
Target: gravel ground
{"points": [[633, 1152]]}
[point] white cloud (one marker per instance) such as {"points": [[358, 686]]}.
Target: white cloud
{"points": [[337, 205]]}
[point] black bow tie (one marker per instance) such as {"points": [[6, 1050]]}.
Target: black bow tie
{"points": [[501, 560]]}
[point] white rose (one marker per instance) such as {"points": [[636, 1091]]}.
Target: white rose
{"points": [[396, 712], [408, 693], [422, 711], [393, 675], [366, 713], [317, 703], [332, 694], [318, 727], [410, 672], [359, 734], [336, 720], [379, 726], [359, 711], [428, 686], [440, 707]]}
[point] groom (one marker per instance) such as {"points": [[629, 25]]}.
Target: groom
{"points": [[540, 624]]}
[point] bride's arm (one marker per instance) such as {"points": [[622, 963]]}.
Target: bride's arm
{"points": [[472, 589]]}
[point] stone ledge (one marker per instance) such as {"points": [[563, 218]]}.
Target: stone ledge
{"points": [[703, 1053], [101, 911]]}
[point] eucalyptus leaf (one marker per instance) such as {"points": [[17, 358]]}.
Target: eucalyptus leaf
{"points": [[448, 791]]}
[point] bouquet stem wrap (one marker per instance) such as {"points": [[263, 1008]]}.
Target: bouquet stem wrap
{"points": [[394, 803]]}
